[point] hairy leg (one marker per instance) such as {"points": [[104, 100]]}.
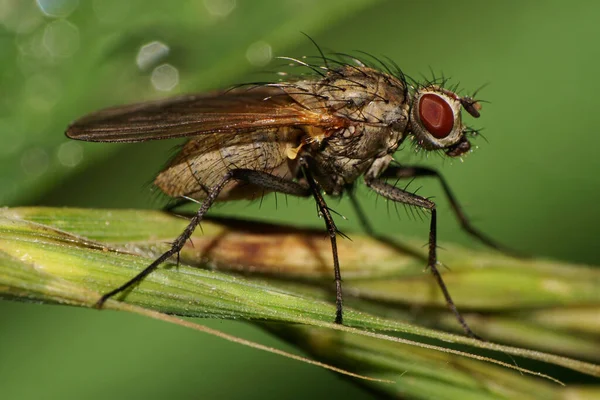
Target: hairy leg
{"points": [[260, 179], [400, 172], [393, 193], [332, 230]]}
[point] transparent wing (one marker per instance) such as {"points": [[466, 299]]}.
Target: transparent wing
{"points": [[239, 110]]}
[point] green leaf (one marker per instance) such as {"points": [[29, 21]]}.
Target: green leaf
{"points": [[70, 256]]}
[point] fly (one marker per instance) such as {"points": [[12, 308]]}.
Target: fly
{"points": [[302, 138]]}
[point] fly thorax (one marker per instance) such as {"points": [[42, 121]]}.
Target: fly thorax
{"points": [[334, 171], [377, 106], [362, 141], [365, 95]]}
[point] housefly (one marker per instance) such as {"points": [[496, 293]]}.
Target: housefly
{"points": [[309, 136]]}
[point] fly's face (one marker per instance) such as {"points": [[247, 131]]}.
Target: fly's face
{"points": [[435, 120]]}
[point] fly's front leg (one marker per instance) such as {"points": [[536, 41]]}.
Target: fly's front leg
{"points": [[401, 196], [257, 178], [415, 172]]}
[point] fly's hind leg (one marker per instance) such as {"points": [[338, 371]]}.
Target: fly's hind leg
{"points": [[257, 178], [401, 196]]}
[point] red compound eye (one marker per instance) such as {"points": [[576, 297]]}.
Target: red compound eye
{"points": [[436, 114]]}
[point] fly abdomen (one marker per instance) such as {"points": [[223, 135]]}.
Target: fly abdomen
{"points": [[204, 160]]}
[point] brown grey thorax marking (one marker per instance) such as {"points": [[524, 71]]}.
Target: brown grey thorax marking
{"points": [[377, 107]]}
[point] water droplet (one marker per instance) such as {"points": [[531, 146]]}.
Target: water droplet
{"points": [[7, 7], [12, 137], [22, 17], [61, 38], [32, 46], [219, 8], [42, 92], [113, 11], [57, 8], [151, 54], [70, 154], [35, 161], [165, 77], [259, 53]]}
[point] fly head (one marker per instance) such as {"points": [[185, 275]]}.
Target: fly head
{"points": [[435, 120]]}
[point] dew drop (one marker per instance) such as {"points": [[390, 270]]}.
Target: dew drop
{"points": [[35, 161], [151, 54], [219, 8], [61, 38], [165, 77], [70, 154], [57, 8], [259, 53]]}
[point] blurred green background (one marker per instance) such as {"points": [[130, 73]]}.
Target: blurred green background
{"points": [[533, 185]]}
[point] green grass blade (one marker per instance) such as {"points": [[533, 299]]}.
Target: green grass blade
{"points": [[72, 255]]}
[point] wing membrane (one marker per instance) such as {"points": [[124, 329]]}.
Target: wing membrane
{"points": [[234, 111]]}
